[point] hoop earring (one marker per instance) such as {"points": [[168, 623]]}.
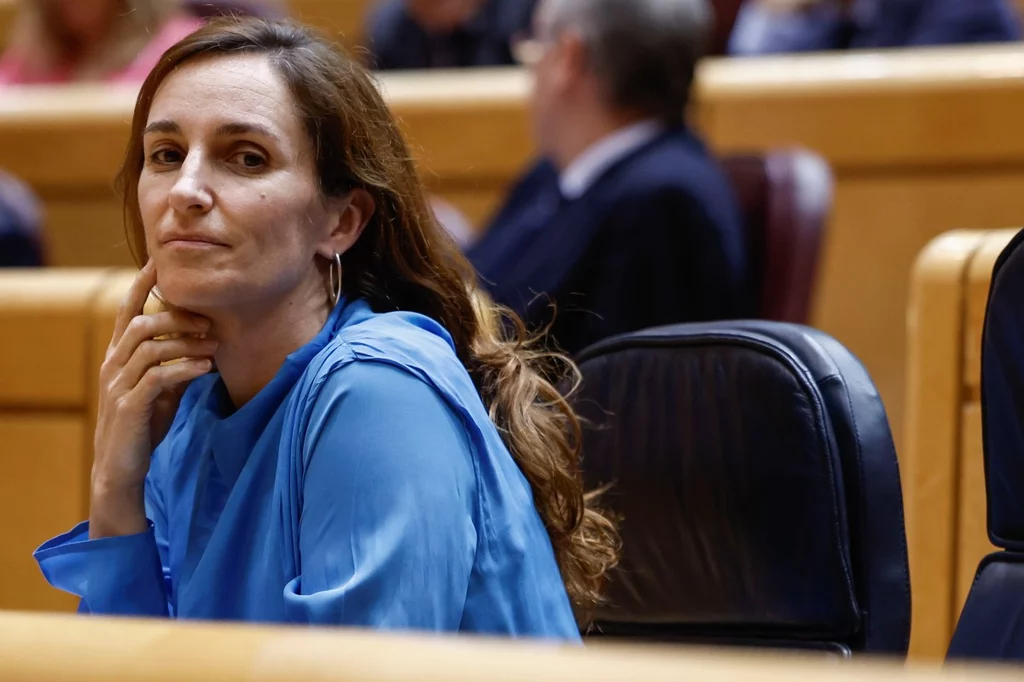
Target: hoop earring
{"points": [[335, 267]]}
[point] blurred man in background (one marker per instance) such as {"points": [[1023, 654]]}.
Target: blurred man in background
{"points": [[778, 26], [627, 221], [428, 34]]}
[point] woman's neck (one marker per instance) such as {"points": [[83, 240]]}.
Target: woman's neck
{"points": [[254, 344]]}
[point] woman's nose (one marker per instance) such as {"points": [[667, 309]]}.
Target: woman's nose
{"points": [[190, 193]]}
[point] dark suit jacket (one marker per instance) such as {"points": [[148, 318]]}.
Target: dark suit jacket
{"points": [[656, 239], [398, 42], [877, 24], [20, 225]]}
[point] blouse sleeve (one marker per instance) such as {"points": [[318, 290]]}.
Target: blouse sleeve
{"points": [[387, 536], [123, 575]]}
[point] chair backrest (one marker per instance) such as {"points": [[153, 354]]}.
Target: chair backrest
{"points": [[785, 197], [726, 12], [756, 477], [991, 625], [21, 228]]}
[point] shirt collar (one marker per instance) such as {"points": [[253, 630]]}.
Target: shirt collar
{"points": [[586, 168], [233, 436]]}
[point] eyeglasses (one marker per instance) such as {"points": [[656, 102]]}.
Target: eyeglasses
{"points": [[528, 51]]}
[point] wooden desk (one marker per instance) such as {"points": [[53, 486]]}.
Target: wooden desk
{"points": [[942, 462], [38, 648]]}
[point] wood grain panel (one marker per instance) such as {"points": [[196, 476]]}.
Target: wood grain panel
{"points": [[929, 464], [40, 496], [48, 648], [44, 326]]}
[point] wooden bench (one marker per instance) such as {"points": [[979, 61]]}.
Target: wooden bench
{"points": [[47, 379], [55, 329], [942, 465], [48, 648]]}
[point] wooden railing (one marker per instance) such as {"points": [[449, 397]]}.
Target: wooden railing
{"points": [[942, 465]]}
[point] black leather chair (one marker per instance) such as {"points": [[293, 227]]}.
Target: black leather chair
{"points": [[786, 198], [991, 624], [754, 469]]}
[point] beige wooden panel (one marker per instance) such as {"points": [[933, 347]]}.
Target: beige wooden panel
{"points": [[48, 648], [972, 526], [929, 460], [7, 12], [87, 231], [881, 223], [41, 495], [44, 336], [913, 108]]}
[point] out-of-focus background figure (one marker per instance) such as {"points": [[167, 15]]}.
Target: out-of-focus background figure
{"points": [[427, 34], [774, 26], [74, 41]]}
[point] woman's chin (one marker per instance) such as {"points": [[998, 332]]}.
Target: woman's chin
{"points": [[190, 294]]}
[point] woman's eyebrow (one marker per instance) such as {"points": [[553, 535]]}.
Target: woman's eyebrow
{"points": [[223, 130], [231, 129], [162, 126]]}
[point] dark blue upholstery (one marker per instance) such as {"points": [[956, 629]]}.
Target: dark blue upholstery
{"points": [[754, 469], [991, 624], [21, 229]]}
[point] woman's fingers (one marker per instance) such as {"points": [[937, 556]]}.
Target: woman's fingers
{"points": [[152, 352], [145, 327], [162, 378], [134, 301]]}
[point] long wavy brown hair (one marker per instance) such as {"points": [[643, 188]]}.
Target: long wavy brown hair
{"points": [[405, 260]]}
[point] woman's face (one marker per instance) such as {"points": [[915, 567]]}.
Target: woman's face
{"points": [[228, 194]]}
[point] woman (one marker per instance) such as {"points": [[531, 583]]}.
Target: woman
{"points": [[68, 41], [342, 453]]}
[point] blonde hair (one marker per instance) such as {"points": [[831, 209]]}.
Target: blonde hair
{"points": [[37, 42]]}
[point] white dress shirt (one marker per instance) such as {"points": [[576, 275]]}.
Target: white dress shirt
{"points": [[586, 168]]}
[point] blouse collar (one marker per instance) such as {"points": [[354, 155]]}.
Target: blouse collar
{"points": [[234, 436]]}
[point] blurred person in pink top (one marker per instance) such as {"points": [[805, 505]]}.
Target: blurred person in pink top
{"points": [[76, 41]]}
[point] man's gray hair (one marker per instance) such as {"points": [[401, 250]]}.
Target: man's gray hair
{"points": [[645, 52]]}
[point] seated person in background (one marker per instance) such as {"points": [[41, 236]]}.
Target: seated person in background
{"points": [[779, 26], [21, 242], [66, 41], [627, 222], [320, 385], [433, 34]]}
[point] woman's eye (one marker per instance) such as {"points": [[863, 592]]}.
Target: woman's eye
{"points": [[166, 156], [250, 160]]}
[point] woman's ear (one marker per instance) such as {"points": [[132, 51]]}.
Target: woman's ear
{"points": [[347, 218]]}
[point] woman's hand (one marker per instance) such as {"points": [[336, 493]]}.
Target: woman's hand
{"points": [[140, 389]]}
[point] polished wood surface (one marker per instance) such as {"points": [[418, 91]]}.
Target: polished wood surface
{"points": [[45, 322], [48, 383], [45, 648], [8, 10], [941, 462]]}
